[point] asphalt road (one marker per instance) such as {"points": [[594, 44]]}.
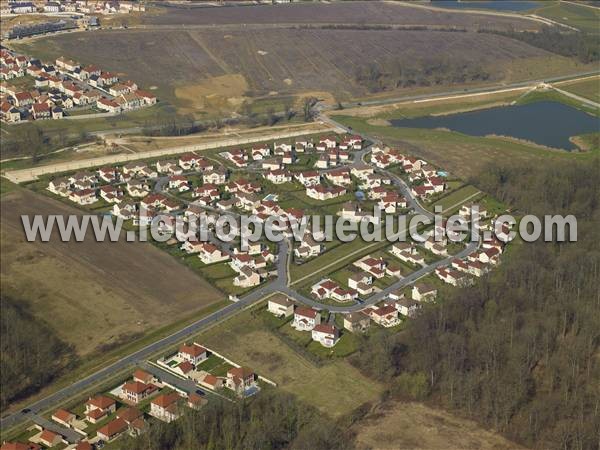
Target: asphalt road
{"points": [[280, 284]]}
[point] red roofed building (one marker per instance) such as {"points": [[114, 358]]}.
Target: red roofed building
{"points": [[327, 335], [50, 438], [193, 353], [136, 391], [305, 319], [112, 429], [239, 379], [165, 407]]}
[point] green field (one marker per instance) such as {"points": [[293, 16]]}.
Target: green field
{"points": [[587, 88], [581, 17]]}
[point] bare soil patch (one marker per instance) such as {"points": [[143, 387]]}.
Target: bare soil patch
{"points": [[224, 92]]}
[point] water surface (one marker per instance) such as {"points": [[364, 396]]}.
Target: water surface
{"points": [[547, 123], [503, 5]]}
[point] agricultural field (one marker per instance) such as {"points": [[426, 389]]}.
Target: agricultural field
{"points": [[359, 13], [83, 290], [204, 71]]}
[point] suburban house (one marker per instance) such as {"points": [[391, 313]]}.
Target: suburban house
{"points": [[112, 430], [98, 407], [308, 178], [361, 282], [305, 319], [165, 407], [64, 417], [136, 391], [451, 277], [373, 266], [385, 316], [239, 379], [210, 254], [327, 335], [193, 353], [421, 292], [321, 192], [408, 253], [83, 197], [308, 248], [246, 277], [143, 377], [357, 322], [50, 438], [280, 306], [407, 306]]}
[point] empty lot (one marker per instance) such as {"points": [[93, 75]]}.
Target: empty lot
{"points": [[186, 65], [93, 294], [415, 426]]}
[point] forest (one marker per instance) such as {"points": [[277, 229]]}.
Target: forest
{"points": [[26, 346], [518, 351], [271, 420], [583, 46], [429, 71]]}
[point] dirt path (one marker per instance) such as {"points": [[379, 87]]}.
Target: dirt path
{"points": [[25, 175]]}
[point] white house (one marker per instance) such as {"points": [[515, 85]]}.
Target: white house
{"points": [[327, 335], [305, 319]]}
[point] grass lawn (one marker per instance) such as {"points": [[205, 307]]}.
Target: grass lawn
{"points": [[208, 365], [452, 201], [581, 17], [589, 88]]}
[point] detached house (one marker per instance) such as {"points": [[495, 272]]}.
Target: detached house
{"points": [[280, 306], [165, 407], [327, 335], [357, 322], [305, 319], [98, 407], [385, 316], [193, 353], [136, 391], [421, 292], [240, 379]]}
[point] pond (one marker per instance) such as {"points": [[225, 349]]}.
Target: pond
{"points": [[504, 5], [547, 123]]}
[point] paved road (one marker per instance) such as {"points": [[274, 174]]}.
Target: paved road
{"points": [[280, 284], [466, 92]]}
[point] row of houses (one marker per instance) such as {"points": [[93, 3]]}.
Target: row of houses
{"points": [[62, 86], [74, 6]]}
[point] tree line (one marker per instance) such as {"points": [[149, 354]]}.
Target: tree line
{"points": [[518, 351], [583, 46], [427, 71], [31, 354], [271, 420]]}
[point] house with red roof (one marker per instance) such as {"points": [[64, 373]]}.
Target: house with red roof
{"points": [[239, 379], [325, 334], [112, 430], [165, 407], [136, 391], [50, 438], [193, 353], [305, 319]]}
